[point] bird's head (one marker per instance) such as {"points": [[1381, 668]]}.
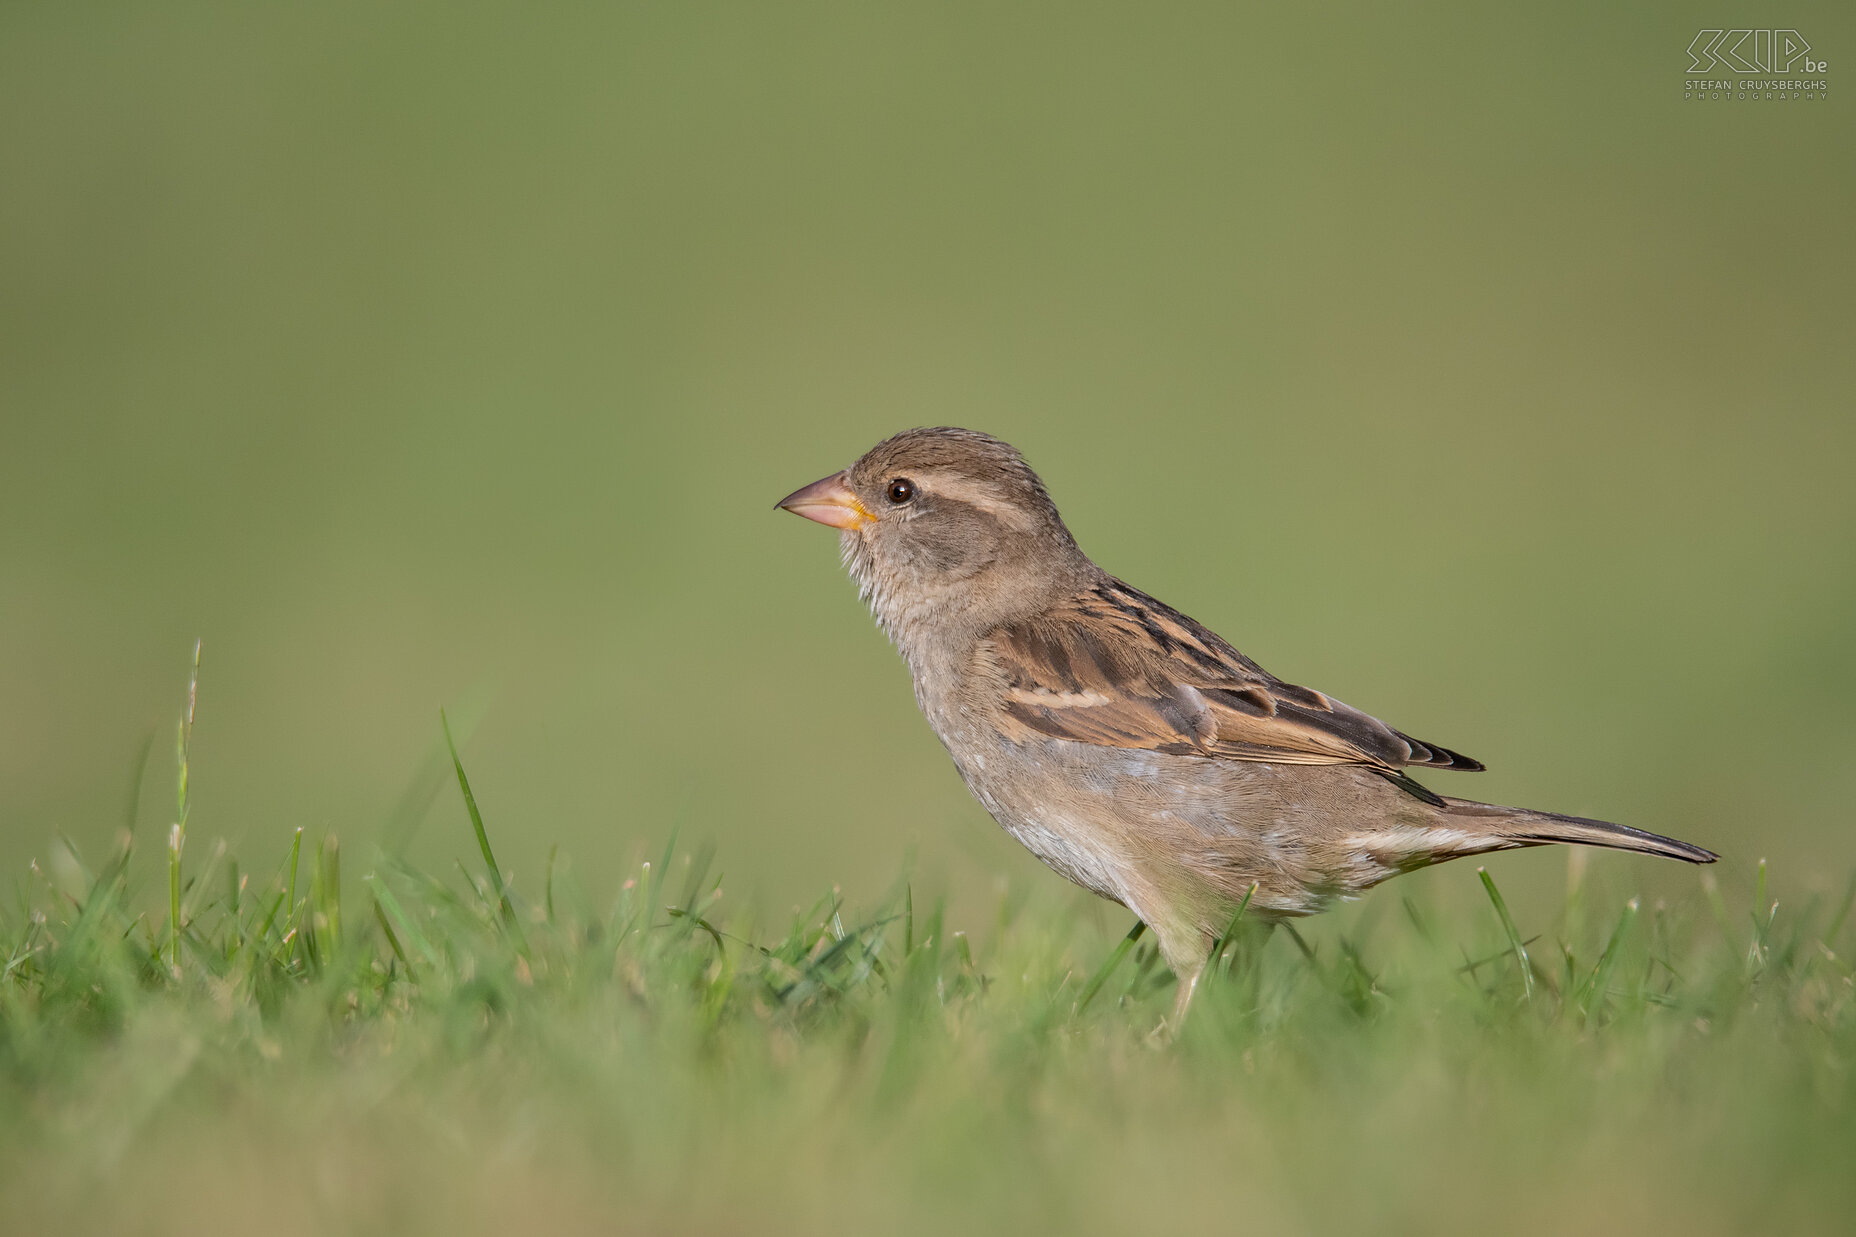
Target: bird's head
{"points": [[947, 527]]}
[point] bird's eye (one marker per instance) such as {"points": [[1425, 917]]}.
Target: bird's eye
{"points": [[901, 490]]}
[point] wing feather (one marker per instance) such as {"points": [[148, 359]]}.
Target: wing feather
{"points": [[1117, 668]]}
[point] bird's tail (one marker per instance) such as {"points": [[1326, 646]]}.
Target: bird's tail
{"points": [[1510, 826]]}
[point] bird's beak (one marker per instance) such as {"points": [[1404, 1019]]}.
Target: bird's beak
{"points": [[829, 500]]}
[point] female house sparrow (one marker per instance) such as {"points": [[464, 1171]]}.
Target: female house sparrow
{"points": [[1128, 747]]}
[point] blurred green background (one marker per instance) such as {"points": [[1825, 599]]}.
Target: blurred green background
{"points": [[1444, 359]]}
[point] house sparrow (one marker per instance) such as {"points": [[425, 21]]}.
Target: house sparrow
{"points": [[1125, 745]]}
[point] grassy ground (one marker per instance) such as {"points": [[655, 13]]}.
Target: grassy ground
{"points": [[319, 1048]]}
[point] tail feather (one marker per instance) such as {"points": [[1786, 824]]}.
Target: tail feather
{"points": [[1524, 827]]}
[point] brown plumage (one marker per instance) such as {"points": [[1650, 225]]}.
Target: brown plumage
{"points": [[1127, 746]]}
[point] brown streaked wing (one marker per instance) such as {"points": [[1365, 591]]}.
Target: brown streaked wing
{"points": [[1118, 668]]}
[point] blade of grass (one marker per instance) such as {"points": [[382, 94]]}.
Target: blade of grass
{"points": [[547, 886], [1592, 996], [329, 889], [1514, 935], [1758, 951], [385, 902], [177, 835], [133, 808], [200, 886], [392, 940], [1307, 953], [1418, 921], [697, 873], [1144, 959], [290, 925], [1108, 966], [483, 837], [697, 921], [1223, 943], [105, 891], [662, 873], [264, 929]]}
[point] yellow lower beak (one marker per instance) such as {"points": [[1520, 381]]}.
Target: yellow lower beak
{"points": [[829, 500]]}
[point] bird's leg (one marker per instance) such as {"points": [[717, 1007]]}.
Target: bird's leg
{"points": [[1190, 973], [1188, 985]]}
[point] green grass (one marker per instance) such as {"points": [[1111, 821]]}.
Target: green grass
{"points": [[314, 1048]]}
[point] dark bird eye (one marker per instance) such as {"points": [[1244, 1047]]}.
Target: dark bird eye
{"points": [[901, 490]]}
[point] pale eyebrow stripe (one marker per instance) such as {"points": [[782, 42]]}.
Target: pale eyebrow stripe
{"points": [[985, 495]]}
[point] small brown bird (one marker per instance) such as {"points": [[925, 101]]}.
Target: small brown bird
{"points": [[1127, 746]]}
